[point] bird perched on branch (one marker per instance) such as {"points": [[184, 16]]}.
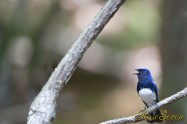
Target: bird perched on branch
{"points": [[148, 91]]}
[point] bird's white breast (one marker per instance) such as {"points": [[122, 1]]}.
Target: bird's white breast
{"points": [[148, 96]]}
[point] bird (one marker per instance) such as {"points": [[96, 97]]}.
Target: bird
{"points": [[148, 91]]}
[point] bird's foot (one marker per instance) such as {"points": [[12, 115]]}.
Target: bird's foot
{"points": [[141, 111]]}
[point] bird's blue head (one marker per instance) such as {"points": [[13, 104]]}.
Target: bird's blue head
{"points": [[143, 73]]}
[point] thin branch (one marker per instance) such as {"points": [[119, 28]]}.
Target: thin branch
{"points": [[133, 119], [42, 110]]}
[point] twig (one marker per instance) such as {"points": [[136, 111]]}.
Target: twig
{"points": [[42, 110], [133, 119]]}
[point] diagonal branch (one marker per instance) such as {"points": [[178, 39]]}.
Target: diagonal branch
{"points": [[42, 110], [133, 119]]}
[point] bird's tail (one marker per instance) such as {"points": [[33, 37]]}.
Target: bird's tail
{"points": [[155, 117]]}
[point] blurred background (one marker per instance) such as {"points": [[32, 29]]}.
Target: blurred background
{"points": [[36, 34]]}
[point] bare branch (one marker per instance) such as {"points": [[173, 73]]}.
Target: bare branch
{"points": [[42, 110], [133, 119]]}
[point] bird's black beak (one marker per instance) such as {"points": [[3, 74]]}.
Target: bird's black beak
{"points": [[136, 72]]}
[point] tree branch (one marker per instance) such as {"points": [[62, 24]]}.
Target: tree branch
{"points": [[133, 119], [42, 110]]}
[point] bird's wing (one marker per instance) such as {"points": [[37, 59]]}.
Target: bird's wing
{"points": [[155, 89]]}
